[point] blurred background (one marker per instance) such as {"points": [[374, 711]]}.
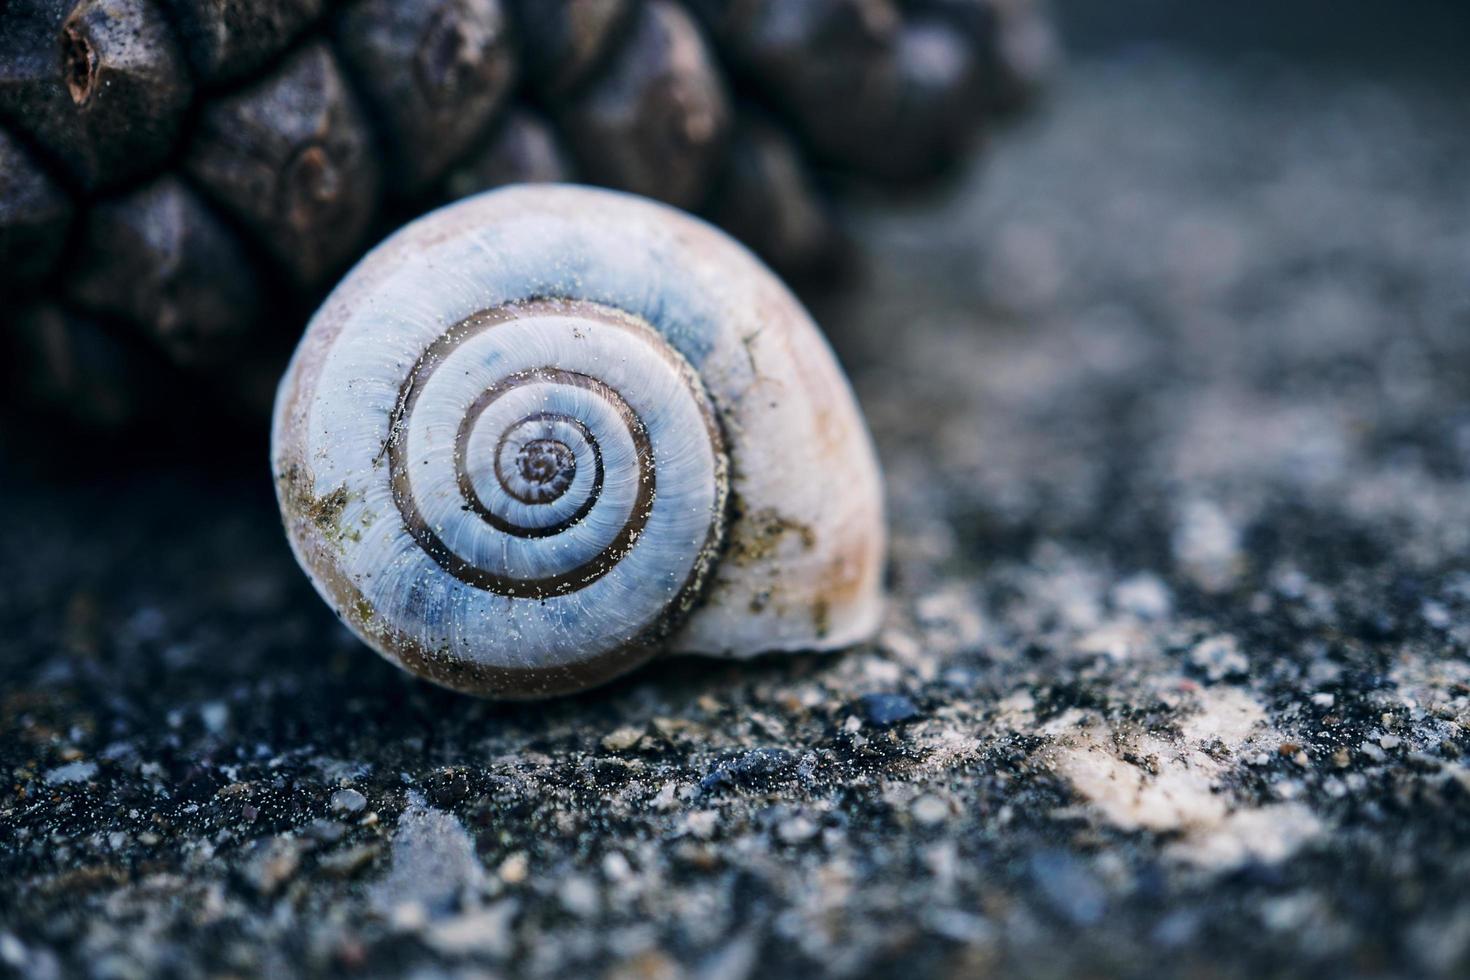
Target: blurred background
{"points": [[1168, 377], [1426, 34]]}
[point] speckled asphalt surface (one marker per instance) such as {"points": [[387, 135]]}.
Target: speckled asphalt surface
{"points": [[1173, 402]]}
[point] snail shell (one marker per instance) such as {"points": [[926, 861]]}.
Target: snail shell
{"points": [[542, 434]]}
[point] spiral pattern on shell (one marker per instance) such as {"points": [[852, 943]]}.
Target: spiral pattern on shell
{"points": [[509, 447], [536, 445]]}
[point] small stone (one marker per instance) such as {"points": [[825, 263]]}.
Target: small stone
{"points": [[1069, 887], [325, 831], [1206, 544], [700, 857], [1177, 929], [929, 810], [480, 932], [1143, 595], [962, 927], [272, 863], [12, 951], [447, 786], [72, 772], [1219, 657], [616, 867], [797, 830], [701, 823], [215, 715], [345, 864], [410, 916], [513, 870], [348, 801], [884, 710], [622, 739], [434, 863], [579, 896], [666, 797], [755, 769], [1437, 615]]}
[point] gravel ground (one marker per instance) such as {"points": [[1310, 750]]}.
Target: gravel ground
{"points": [[1172, 399]]}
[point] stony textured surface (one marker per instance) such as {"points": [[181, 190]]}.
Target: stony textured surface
{"points": [[1173, 404]]}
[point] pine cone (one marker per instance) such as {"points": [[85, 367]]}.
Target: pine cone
{"points": [[181, 180]]}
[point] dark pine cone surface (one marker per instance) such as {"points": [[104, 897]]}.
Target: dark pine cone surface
{"points": [[182, 180]]}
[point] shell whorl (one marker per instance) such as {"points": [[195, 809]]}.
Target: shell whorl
{"points": [[576, 431], [541, 434]]}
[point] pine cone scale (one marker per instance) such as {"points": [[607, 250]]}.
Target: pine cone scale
{"points": [[181, 180], [294, 160]]}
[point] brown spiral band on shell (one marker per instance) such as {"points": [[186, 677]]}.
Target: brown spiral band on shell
{"points": [[461, 454], [426, 537]]}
